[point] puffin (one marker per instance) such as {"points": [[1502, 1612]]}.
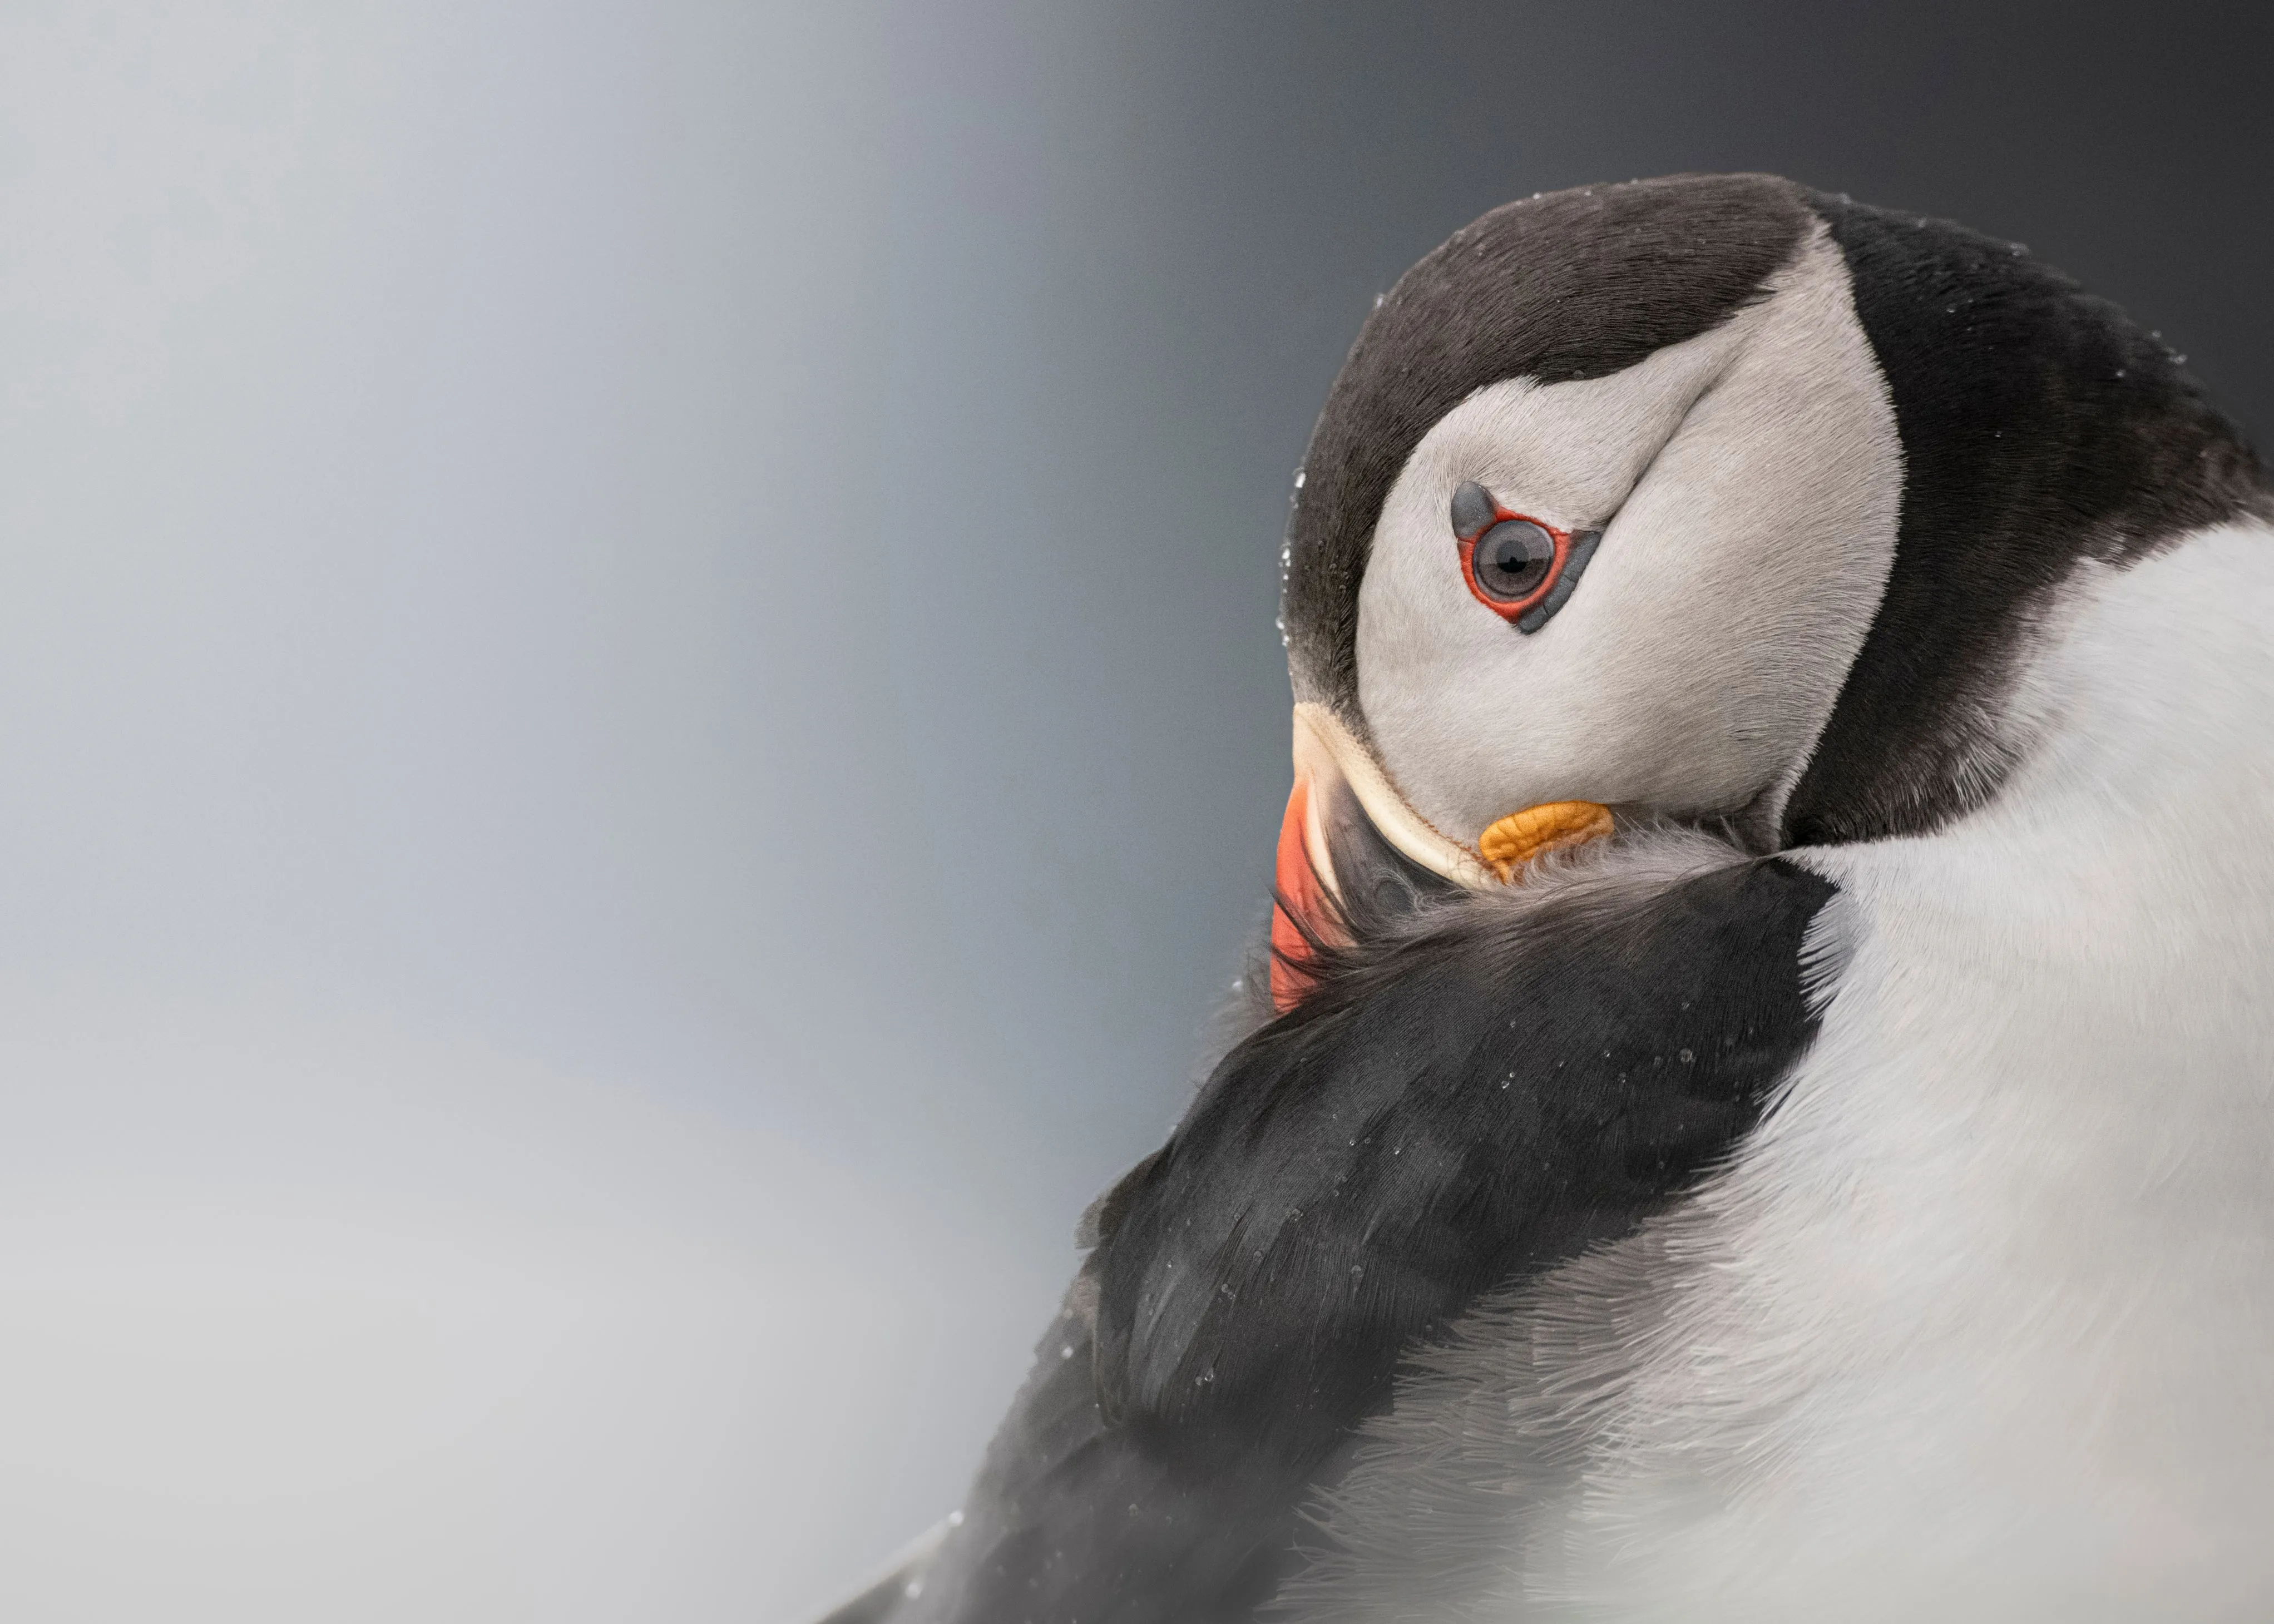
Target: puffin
{"points": [[1761, 1102]]}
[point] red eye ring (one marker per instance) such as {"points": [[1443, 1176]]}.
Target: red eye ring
{"points": [[1512, 608], [1573, 551]]}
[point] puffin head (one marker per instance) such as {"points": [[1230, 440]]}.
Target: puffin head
{"points": [[1707, 499]]}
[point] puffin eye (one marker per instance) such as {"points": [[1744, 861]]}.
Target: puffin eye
{"points": [[1522, 570], [1512, 559]]}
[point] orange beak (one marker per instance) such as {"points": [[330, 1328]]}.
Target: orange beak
{"points": [[1337, 780], [1297, 892]]}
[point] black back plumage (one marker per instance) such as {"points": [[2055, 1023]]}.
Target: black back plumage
{"points": [[2041, 428]]}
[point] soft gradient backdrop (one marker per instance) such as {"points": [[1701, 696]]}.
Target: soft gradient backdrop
{"points": [[639, 717]]}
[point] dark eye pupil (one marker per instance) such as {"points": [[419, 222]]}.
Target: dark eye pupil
{"points": [[1512, 558]]}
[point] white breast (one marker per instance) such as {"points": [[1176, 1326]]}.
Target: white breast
{"points": [[1982, 1324]]}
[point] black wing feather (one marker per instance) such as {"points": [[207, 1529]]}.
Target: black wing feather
{"points": [[1454, 1109]]}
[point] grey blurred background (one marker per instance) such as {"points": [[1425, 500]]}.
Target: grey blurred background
{"points": [[639, 717]]}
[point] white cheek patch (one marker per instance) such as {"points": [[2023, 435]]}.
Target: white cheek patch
{"points": [[1747, 482]]}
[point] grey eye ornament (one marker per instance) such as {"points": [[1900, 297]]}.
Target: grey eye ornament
{"points": [[1522, 569]]}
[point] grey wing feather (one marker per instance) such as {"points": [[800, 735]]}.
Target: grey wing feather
{"points": [[902, 1582]]}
